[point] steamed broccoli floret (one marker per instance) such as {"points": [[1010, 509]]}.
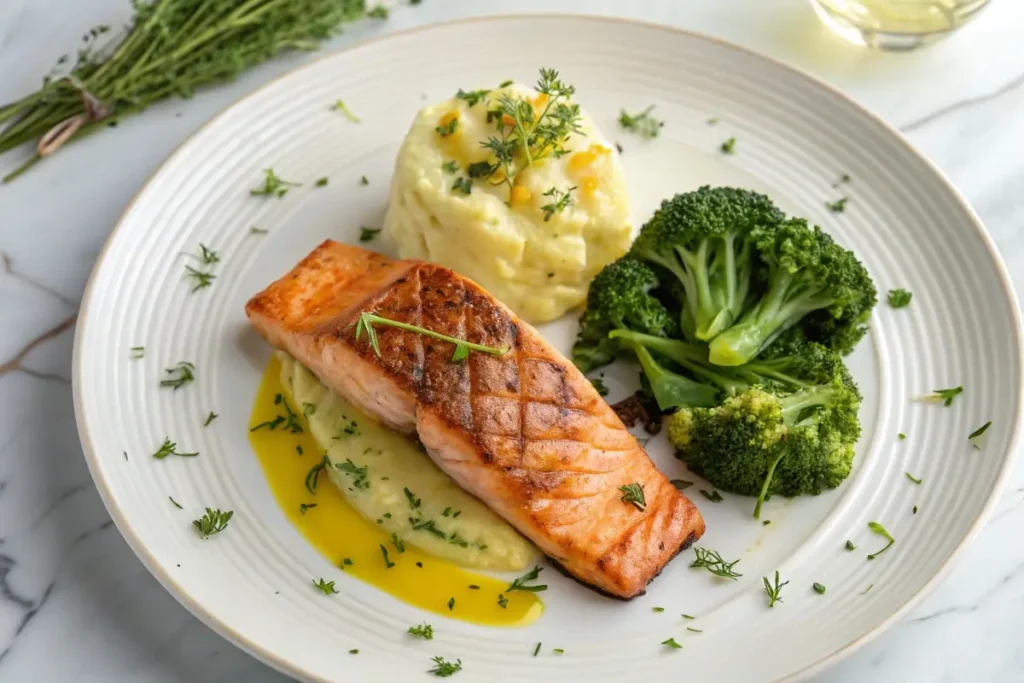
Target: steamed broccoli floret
{"points": [[787, 426], [619, 298], [703, 239], [807, 279]]}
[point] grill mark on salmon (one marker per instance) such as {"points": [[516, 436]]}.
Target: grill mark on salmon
{"points": [[525, 432]]}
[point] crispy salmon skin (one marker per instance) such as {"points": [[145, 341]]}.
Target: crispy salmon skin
{"points": [[525, 431]]}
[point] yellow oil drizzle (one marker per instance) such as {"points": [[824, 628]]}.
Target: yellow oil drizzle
{"points": [[335, 529]]}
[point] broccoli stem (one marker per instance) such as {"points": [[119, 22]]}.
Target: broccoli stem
{"points": [[768, 482], [796, 403], [789, 298], [670, 389], [690, 356]]}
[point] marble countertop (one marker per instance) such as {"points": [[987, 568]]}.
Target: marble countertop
{"points": [[75, 603]]}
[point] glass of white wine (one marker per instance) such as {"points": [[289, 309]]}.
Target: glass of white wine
{"points": [[896, 24]]}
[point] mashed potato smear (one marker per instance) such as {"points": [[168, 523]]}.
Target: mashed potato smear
{"points": [[533, 228]]}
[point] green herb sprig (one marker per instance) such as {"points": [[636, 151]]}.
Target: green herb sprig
{"points": [[881, 531], [773, 590], [520, 583], [181, 374], [713, 562], [462, 347], [643, 124], [213, 522], [171, 48], [633, 494]]}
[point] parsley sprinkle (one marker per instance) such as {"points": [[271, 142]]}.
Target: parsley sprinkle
{"points": [[443, 669], [850, 546], [388, 564], [681, 484], [426, 631], [880, 530], [901, 436], [253, 230], [838, 206], [502, 601], [320, 182], [558, 651], [729, 146], [694, 630], [450, 167], [363, 180], [168, 447], [536, 649], [657, 609], [868, 589], [273, 185], [397, 542], [900, 298], [368, 234], [713, 562], [688, 617], [505, 84], [520, 583], [912, 478], [463, 185], [180, 375], [213, 522], [200, 279], [343, 108], [473, 97], [314, 473], [210, 418], [943, 396], [451, 604], [448, 128], [819, 588], [633, 493], [713, 496], [353, 652], [360, 475], [176, 504], [979, 437], [671, 642], [773, 591], [138, 352], [347, 562], [643, 124], [560, 201], [326, 587], [303, 507]]}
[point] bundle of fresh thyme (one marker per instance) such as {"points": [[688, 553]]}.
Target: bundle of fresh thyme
{"points": [[170, 48]]}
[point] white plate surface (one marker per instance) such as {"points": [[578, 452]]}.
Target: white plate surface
{"points": [[795, 137]]}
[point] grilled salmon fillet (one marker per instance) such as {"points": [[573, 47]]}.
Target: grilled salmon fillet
{"points": [[525, 431]]}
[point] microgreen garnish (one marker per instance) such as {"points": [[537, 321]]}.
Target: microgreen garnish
{"points": [[671, 642], [838, 206], [426, 631], [213, 522], [462, 347], [360, 475], [643, 124], [520, 583], [899, 298], [443, 669], [729, 146], [979, 437], [912, 478], [450, 167], [713, 562], [880, 530], [368, 234], [524, 136], [681, 484], [343, 108], [168, 447], [773, 590], [388, 564], [176, 504], [472, 97], [303, 507], [314, 473], [210, 418], [138, 352], [713, 496], [379, 12], [325, 587], [559, 201], [633, 493], [273, 185], [943, 396], [819, 588], [180, 375]]}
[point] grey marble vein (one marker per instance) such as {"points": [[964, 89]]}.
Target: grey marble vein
{"points": [[965, 103]]}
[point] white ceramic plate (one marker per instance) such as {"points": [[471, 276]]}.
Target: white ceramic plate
{"points": [[795, 137]]}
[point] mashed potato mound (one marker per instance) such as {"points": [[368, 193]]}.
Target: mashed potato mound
{"points": [[497, 235]]}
